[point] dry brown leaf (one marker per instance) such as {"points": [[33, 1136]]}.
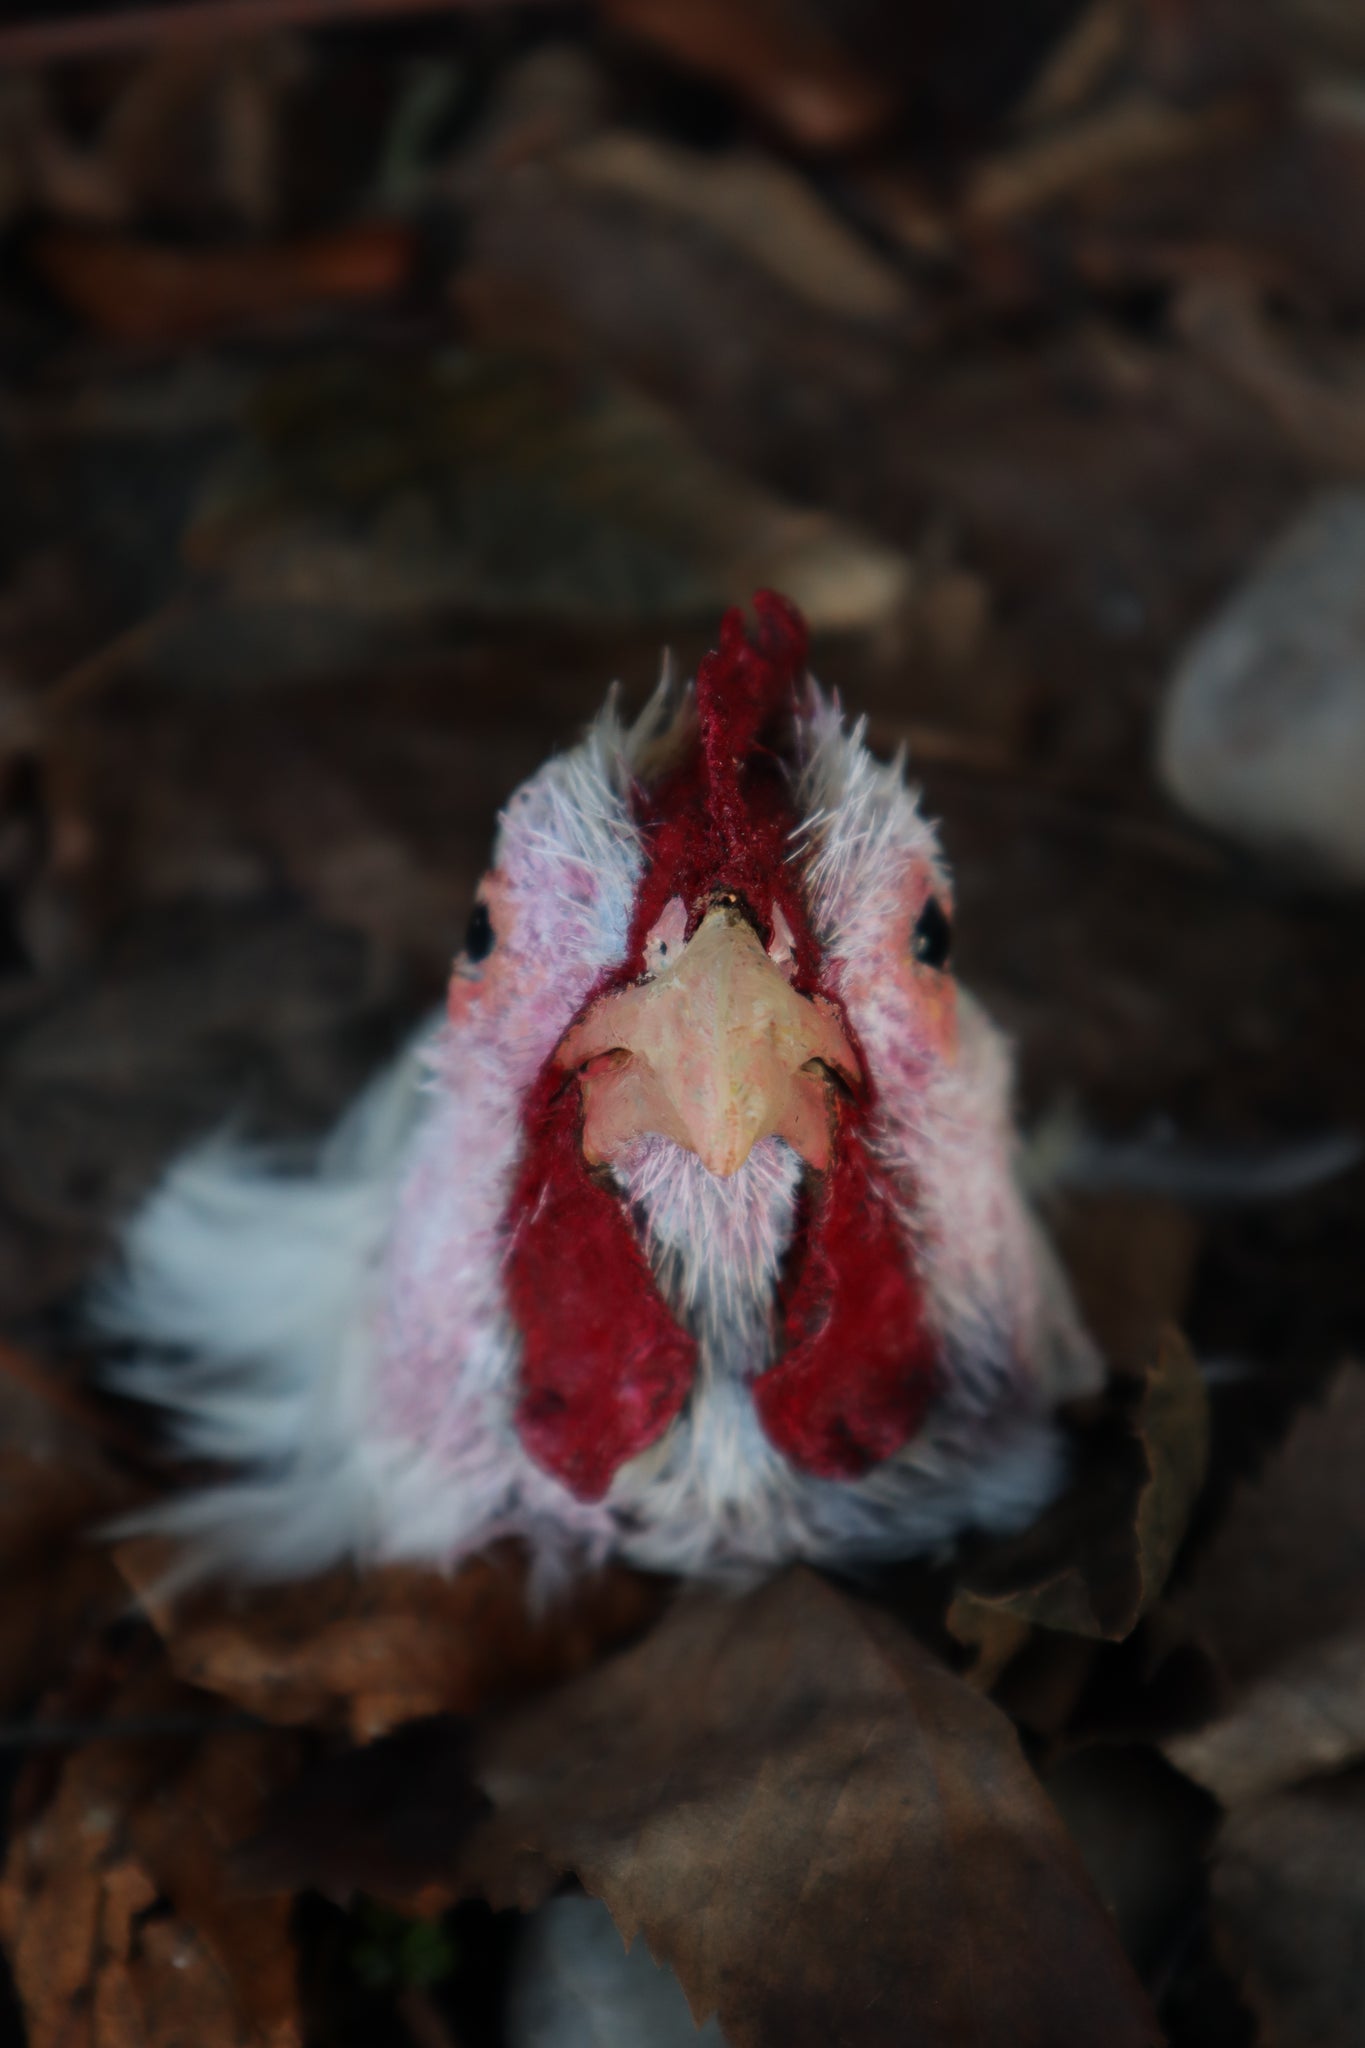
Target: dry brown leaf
{"points": [[114, 1906], [55, 1486], [489, 484], [782, 55], [1082, 63], [1279, 1597], [757, 205], [1094, 1562], [197, 131], [992, 1634], [136, 291], [378, 1648], [1131, 1258], [1120, 140], [1288, 1882], [1322, 420], [826, 1835]]}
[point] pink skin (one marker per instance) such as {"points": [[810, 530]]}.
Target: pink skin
{"points": [[447, 1354], [518, 990], [884, 978], [446, 1382], [949, 1137]]}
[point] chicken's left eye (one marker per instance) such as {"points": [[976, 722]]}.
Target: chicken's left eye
{"points": [[932, 939], [479, 934]]}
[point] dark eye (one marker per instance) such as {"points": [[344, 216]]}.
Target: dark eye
{"points": [[932, 939], [479, 934]]}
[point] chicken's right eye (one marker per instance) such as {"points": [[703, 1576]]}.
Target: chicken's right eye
{"points": [[932, 939], [479, 934]]}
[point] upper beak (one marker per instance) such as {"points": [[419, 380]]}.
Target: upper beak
{"points": [[714, 1053]]}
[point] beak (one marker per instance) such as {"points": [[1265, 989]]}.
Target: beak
{"points": [[715, 1053]]}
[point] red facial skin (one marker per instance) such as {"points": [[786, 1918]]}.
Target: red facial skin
{"points": [[605, 1368]]}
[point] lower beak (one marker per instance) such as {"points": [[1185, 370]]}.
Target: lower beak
{"points": [[715, 1053]]}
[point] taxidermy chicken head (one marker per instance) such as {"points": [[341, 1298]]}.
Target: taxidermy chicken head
{"points": [[690, 1233]]}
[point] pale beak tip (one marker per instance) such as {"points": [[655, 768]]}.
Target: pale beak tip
{"points": [[723, 1160]]}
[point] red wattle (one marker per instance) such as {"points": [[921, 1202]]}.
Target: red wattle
{"points": [[604, 1367], [858, 1363]]}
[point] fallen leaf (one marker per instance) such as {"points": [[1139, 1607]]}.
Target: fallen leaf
{"points": [[1279, 1598], [1008, 450], [828, 1837], [1084, 60], [44, 167], [373, 1649], [761, 207], [1276, 205], [993, 1634], [1095, 1561], [815, 1825], [784, 56], [1288, 1885], [182, 1835], [114, 1905], [55, 1485], [1124, 138], [139, 292], [1131, 1259], [197, 132], [1322, 418], [489, 486]]}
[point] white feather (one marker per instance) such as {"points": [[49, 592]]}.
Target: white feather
{"points": [[250, 1292]]}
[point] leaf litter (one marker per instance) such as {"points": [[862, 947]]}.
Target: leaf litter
{"points": [[806, 1815], [368, 402]]}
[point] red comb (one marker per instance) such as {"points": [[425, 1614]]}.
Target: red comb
{"points": [[722, 821], [741, 686]]}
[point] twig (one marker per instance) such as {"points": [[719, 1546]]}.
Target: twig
{"points": [[104, 35], [1137, 134], [89, 676]]}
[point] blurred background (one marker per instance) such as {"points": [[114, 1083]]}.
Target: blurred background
{"points": [[380, 379]]}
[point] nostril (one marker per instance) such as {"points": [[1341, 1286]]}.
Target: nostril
{"points": [[841, 1083], [604, 1063]]}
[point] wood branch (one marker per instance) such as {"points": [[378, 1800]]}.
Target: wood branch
{"points": [[69, 36]]}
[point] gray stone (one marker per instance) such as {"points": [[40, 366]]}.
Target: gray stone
{"points": [[1263, 730], [576, 1985]]}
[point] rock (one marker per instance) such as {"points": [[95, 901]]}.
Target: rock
{"points": [[576, 1985], [1263, 730]]}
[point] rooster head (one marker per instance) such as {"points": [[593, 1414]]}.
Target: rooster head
{"points": [[692, 1231], [725, 987]]}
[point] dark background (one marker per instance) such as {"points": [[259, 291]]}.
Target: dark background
{"points": [[373, 396], [376, 388]]}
